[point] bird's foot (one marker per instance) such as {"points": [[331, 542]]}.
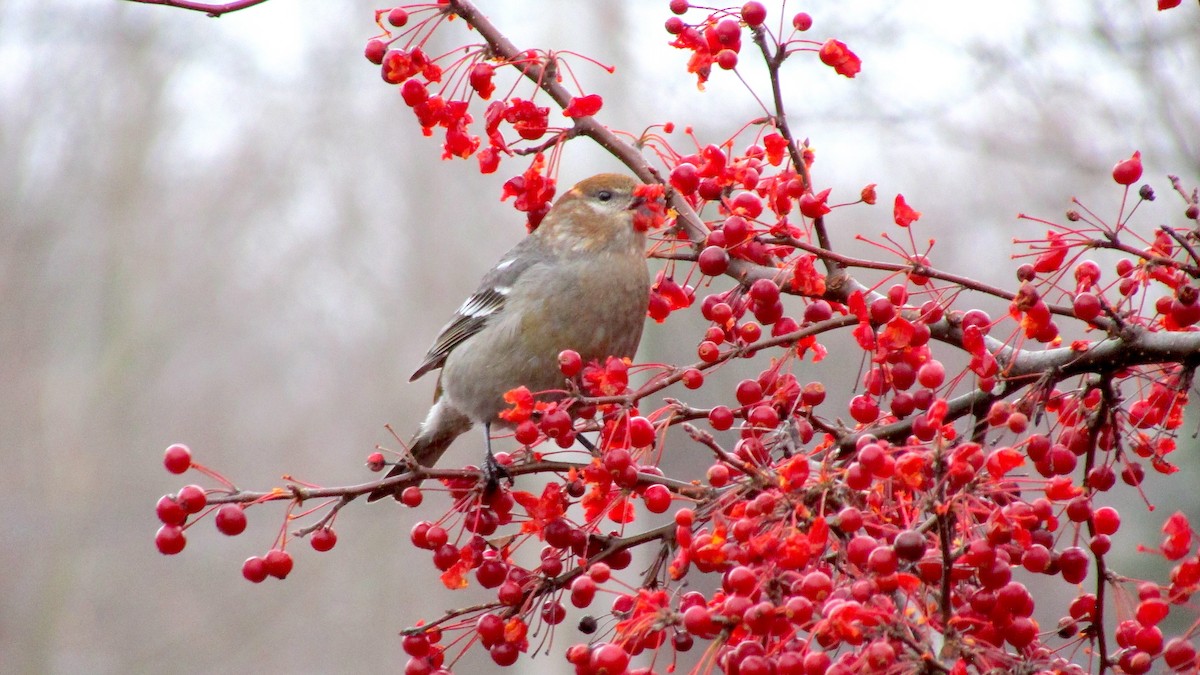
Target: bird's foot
{"points": [[493, 473]]}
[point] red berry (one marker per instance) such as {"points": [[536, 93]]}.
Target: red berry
{"points": [[750, 332], [569, 362], [675, 25], [802, 21], [1106, 519], [816, 586], [764, 291], [641, 432], [727, 59], [397, 17], [415, 645], [1036, 558], [278, 563], [556, 423], [1079, 509], [1073, 564], [931, 374], [718, 475], [817, 311], [411, 496], [490, 629], [617, 459], [169, 539], [491, 574], [1021, 632], [864, 409], [849, 520], [1083, 608], [504, 654], [753, 13], [1151, 611], [583, 591], [882, 310], [883, 560], [721, 418], [692, 378], [608, 659], [721, 313], [323, 539], [375, 461], [602, 572], [445, 556], [510, 593], [729, 33], [1149, 640], [526, 433], [192, 498], [254, 570], [1135, 662], [177, 458], [231, 519], [419, 535], [679, 6], [657, 498], [685, 177], [813, 394], [553, 612], [713, 261], [374, 51], [1128, 171], [169, 511], [1179, 654], [699, 622], [1086, 306], [414, 93], [1133, 474], [763, 417], [749, 391], [910, 545], [977, 318]]}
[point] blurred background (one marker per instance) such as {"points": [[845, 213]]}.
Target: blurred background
{"points": [[231, 233]]}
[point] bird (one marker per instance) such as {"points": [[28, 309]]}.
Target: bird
{"points": [[579, 281]]}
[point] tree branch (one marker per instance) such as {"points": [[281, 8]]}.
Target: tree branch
{"points": [[211, 9]]}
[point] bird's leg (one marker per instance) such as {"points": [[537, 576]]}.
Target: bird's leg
{"points": [[493, 471]]}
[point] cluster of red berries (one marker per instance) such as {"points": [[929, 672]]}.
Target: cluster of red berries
{"points": [[718, 39], [441, 98], [175, 510]]}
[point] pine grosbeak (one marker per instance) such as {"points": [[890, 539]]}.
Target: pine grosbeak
{"points": [[577, 282]]}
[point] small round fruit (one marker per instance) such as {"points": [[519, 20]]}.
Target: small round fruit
{"points": [[177, 458], [278, 563], [323, 539], [169, 539], [231, 519], [254, 570]]}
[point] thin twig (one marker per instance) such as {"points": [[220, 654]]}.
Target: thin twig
{"points": [[211, 9]]}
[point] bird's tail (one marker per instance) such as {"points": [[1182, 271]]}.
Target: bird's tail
{"points": [[443, 424]]}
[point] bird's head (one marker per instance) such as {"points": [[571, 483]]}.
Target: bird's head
{"points": [[596, 215]]}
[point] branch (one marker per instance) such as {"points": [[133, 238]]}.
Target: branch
{"points": [[211, 9], [421, 473]]}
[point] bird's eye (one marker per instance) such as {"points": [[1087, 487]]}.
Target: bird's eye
{"points": [[604, 195]]}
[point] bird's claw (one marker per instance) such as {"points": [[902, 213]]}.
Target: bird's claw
{"points": [[493, 473]]}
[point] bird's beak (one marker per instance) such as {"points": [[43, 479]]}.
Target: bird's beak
{"points": [[637, 203]]}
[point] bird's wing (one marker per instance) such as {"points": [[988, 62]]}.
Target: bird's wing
{"points": [[482, 307]]}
